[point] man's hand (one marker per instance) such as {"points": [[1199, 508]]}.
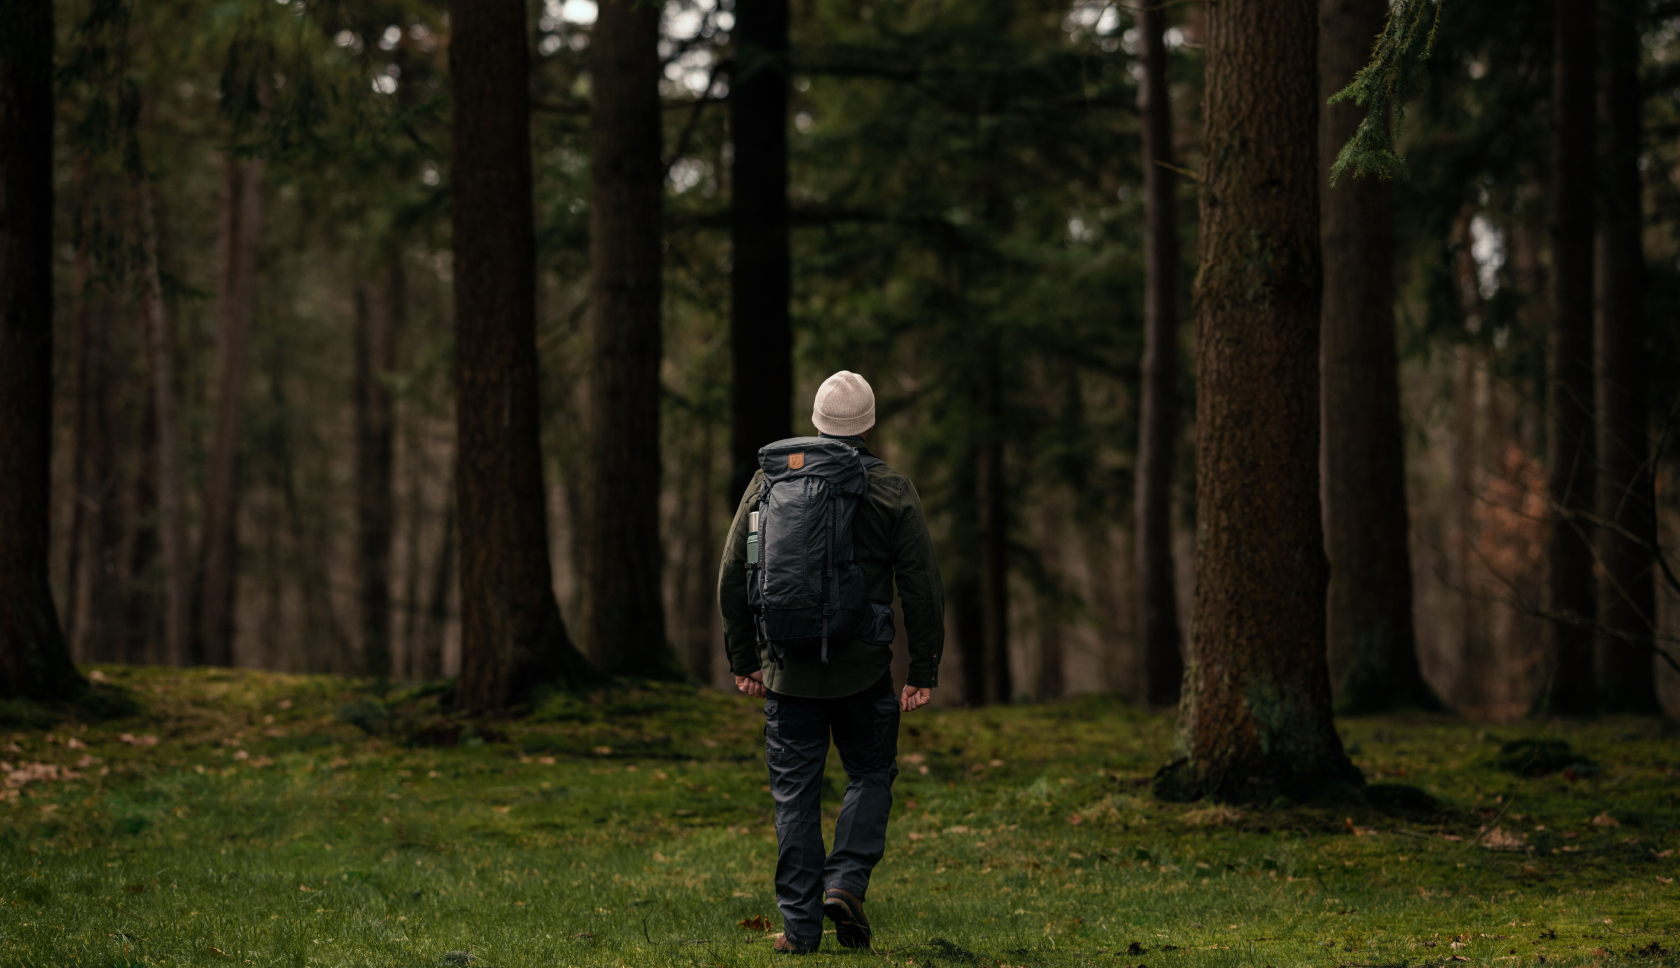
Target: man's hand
{"points": [[752, 685], [914, 698]]}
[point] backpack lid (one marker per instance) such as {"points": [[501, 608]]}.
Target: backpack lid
{"points": [[834, 461]]}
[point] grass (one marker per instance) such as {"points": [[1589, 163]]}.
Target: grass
{"points": [[291, 821]]}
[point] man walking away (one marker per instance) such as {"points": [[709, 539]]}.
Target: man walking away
{"points": [[821, 536]]}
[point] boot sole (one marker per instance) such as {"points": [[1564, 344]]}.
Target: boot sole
{"points": [[850, 932]]}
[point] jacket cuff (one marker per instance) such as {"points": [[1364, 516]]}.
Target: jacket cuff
{"points": [[922, 679]]}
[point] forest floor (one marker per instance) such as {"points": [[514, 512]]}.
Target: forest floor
{"points": [[255, 818]]}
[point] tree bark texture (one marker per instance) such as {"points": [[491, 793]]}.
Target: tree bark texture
{"points": [[1371, 641], [1571, 590], [627, 614], [1626, 495], [512, 636], [760, 334], [236, 297], [34, 661], [375, 355], [1255, 719], [1161, 639]]}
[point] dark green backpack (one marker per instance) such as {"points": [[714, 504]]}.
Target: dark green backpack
{"points": [[803, 584]]}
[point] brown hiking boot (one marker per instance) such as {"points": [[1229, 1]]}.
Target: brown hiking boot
{"points": [[851, 928], [782, 946]]}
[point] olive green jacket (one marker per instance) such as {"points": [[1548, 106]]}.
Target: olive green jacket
{"points": [[891, 542]]}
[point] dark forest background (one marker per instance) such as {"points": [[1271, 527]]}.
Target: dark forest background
{"points": [[258, 227]]}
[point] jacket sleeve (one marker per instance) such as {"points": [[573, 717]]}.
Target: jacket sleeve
{"points": [[920, 590], [740, 642]]}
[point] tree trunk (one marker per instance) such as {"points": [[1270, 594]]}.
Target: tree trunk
{"points": [[760, 337], [1372, 644], [512, 636], [34, 661], [1052, 677], [1255, 720], [171, 493], [702, 604], [1570, 594], [627, 189], [414, 466], [81, 362], [241, 234], [429, 664], [1158, 419], [1626, 497], [103, 637], [375, 352], [144, 608], [994, 541]]}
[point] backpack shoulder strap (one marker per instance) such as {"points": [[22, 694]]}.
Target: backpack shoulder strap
{"points": [[870, 460]]}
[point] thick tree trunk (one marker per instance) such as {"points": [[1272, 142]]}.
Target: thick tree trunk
{"points": [[1157, 457], [627, 189], [1571, 590], [34, 661], [1372, 645], [760, 337], [241, 234], [375, 354], [1626, 496], [171, 493], [1255, 720], [512, 636]]}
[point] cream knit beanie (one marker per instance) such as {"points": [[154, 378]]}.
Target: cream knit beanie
{"points": [[845, 405]]}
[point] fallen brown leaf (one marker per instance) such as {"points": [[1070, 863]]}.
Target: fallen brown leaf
{"points": [[757, 922]]}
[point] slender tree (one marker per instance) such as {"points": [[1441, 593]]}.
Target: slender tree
{"points": [[1571, 590], [760, 337], [1372, 645], [1626, 497], [994, 538], [512, 636], [1157, 457], [1255, 719], [236, 295], [375, 340], [34, 661], [627, 613], [103, 635]]}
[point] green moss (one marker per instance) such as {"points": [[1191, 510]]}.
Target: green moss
{"points": [[1031, 839]]}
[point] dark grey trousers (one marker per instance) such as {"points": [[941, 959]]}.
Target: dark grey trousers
{"points": [[864, 727]]}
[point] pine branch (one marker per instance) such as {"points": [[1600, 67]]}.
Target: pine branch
{"points": [[1393, 77]]}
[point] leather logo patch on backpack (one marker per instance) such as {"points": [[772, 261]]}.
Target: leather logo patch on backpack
{"points": [[796, 461]]}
